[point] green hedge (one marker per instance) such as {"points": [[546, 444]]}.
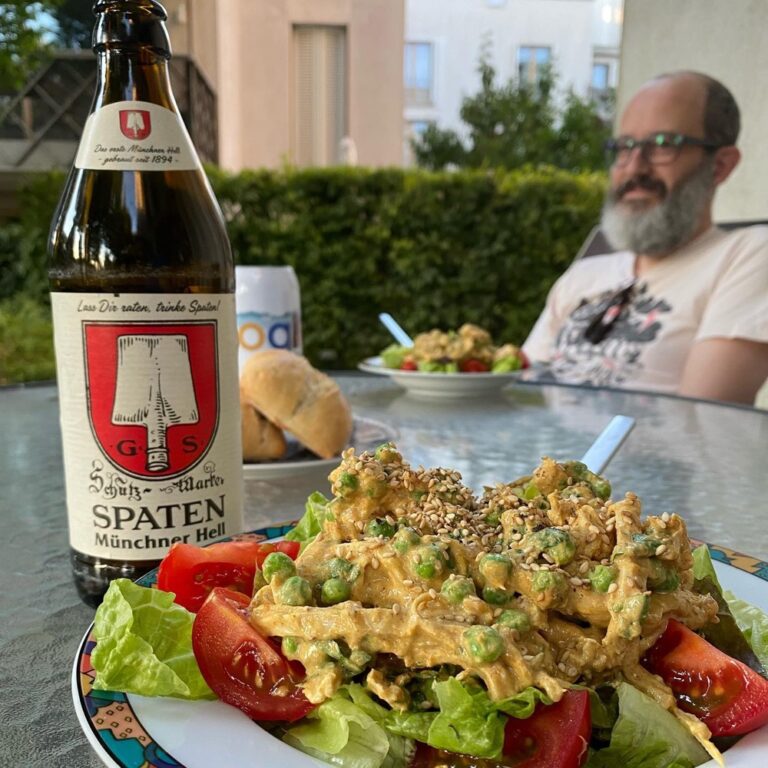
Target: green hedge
{"points": [[434, 249]]}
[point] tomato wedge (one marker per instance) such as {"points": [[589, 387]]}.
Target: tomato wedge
{"points": [[409, 365], [191, 572], [473, 365], [243, 668], [556, 736], [728, 696]]}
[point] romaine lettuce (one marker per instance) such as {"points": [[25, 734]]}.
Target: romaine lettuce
{"points": [[350, 733], [316, 511], [647, 736], [144, 644]]}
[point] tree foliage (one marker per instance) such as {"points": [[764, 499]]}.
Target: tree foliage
{"points": [[75, 21], [514, 124], [22, 44]]}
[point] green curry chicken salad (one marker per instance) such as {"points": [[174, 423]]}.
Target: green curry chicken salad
{"points": [[541, 624]]}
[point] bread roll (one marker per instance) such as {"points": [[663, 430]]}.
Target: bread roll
{"points": [[261, 438], [299, 398]]}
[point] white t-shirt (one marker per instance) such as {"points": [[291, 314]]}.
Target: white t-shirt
{"points": [[714, 287]]}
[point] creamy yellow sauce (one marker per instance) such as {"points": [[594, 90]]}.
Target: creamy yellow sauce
{"points": [[541, 582]]}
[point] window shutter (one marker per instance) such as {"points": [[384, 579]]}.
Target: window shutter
{"points": [[319, 102]]}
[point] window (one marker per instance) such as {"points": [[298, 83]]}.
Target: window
{"points": [[600, 76], [532, 62], [418, 73], [319, 98]]}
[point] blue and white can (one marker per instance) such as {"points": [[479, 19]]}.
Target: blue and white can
{"points": [[268, 306]]}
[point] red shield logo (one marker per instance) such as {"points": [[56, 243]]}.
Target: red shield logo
{"points": [[135, 123], [153, 395]]}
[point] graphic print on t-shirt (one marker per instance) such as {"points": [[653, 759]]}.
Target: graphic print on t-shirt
{"points": [[618, 357]]}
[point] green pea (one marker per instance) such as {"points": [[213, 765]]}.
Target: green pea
{"points": [[428, 561], [484, 644], [278, 564], [258, 580], [514, 619], [599, 485], [662, 578], [456, 588], [495, 596], [602, 488], [644, 545], [576, 469], [601, 577], [386, 453], [348, 483], [417, 495], [531, 492], [339, 568], [289, 646], [493, 518], [495, 569], [380, 527], [334, 591], [558, 544], [548, 581], [295, 591], [404, 539]]}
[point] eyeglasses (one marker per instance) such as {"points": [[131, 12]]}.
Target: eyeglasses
{"points": [[658, 149], [602, 324]]}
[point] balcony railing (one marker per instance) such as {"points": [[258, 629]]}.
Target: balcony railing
{"points": [[40, 126]]}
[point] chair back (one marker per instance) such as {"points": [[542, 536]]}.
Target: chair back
{"points": [[596, 244]]}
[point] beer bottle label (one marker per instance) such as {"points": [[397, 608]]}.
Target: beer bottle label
{"points": [[135, 136], [150, 420]]}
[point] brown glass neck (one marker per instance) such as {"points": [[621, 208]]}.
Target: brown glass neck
{"points": [[136, 75]]}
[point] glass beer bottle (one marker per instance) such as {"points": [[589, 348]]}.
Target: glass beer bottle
{"points": [[142, 293]]}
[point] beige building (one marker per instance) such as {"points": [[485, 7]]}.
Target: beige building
{"points": [[725, 40], [306, 82]]}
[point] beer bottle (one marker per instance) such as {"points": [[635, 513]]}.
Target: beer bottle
{"points": [[142, 293]]}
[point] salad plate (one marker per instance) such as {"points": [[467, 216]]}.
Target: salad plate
{"points": [[447, 385], [367, 434], [130, 731]]}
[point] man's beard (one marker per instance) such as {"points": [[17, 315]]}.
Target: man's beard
{"points": [[663, 227]]}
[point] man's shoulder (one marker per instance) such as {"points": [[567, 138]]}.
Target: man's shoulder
{"points": [[751, 236]]}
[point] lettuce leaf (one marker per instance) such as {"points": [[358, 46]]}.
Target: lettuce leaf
{"points": [[753, 623], [350, 733], [647, 736], [316, 511], [724, 633], [144, 644], [468, 721]]}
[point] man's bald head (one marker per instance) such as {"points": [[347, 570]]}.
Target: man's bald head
{"points": [[721, 120]]}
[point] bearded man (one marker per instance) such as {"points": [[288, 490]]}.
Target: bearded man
{"points": [[682, 307]]}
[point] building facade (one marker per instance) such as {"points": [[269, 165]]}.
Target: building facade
{"points": [[304, 82], [444, 39]]}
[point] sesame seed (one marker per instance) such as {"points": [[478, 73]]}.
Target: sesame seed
{"points": [[374, 563], [614, 586], [408, 582], [666, 517], [661, 549]]}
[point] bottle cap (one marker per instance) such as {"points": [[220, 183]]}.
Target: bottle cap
{"points": [[131, 23]]}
